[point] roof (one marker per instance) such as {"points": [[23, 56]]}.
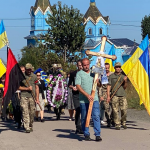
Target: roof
{"points": [[130, 51], [38, 36], [94, 13], [123, 42], [91, 44], [128, 45], [43, 4]]}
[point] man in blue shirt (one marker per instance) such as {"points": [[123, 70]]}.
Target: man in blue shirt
{"points": [[84, 84]]}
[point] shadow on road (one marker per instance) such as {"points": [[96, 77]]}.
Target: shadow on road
{"points": [[71, 134], [9, 125]]}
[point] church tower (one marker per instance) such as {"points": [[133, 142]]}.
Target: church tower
{"points": [[39, 12], [96, 24]]}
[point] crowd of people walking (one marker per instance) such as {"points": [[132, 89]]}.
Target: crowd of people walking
{"points": [[28, 101]]}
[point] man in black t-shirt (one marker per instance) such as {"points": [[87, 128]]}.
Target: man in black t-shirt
{"points": [[76, 101]]}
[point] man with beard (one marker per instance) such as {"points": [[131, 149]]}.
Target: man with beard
{"points": [[118, 100], [76, 101], [29, 89], [84, 83]]}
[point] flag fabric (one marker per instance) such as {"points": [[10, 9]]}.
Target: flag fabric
{"points": [[2, 68], [3, 35], [110, 61], [14, 76], [128, 65], [139, 75]]}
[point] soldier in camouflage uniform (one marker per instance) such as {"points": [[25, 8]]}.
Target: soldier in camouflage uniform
{"points": [[119, 101], [27, 98], [105, 107]]}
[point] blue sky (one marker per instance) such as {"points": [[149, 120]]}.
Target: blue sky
{"points": [[125, 12]]}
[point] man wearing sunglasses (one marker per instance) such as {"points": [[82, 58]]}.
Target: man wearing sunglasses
{"points": [[117, 85]]}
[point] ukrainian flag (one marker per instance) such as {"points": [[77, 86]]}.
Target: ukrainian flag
{"points": [[110, 61], [3, 35], [2, 68], [128, 65], [139, 75]]}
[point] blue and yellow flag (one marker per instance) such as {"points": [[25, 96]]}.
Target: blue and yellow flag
{"points": [[2, 68], [110, 61], [128, 65], [139, 75], [3, 35]]}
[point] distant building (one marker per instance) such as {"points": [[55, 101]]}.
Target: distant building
{"points": [[97, 26], [39, 12]]}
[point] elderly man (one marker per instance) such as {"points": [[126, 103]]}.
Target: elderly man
{"points": [[84, 84], [118, 100], [29, 88]]}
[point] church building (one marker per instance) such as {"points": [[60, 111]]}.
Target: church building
{"points": [[96, 26]]}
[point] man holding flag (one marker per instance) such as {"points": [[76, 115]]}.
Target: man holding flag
{"points": [[29, 89]]}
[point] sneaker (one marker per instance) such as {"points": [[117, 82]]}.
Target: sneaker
{"points": [[79, 132], [70, 119], [42, 120], [124, 126], [27, 131], [31, 129], [103, 123], [36, 119], [98, 139], [117, 128], [87, 138], [109, 125]]}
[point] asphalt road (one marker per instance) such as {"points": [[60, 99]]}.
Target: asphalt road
{"points": [[60, 135]]}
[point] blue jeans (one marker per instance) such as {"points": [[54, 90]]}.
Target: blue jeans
{"points": [[95, 117]]}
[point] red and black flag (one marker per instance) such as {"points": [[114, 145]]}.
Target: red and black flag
{"points": [[14, 76]]}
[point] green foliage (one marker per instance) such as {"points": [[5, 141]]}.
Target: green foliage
{"points": [[133, 98], [66, 33], [40, 58], [145, 25]]}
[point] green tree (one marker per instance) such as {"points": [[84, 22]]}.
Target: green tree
{"points": [[40, 58], [145, 25], [66, 33]]}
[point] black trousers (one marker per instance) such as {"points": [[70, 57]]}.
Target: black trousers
{"points": [[78, 112], [1, 106], [58, 112], [17, 109]]}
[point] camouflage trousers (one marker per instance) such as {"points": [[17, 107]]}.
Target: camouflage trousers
{"points": [[119, 104], [106, 108], [28, 112]]}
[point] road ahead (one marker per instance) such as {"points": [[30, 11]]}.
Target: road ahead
{"points": [[59, 135]]}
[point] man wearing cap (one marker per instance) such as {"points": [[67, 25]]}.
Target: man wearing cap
{"points": [[118, 100], [29, 89]]}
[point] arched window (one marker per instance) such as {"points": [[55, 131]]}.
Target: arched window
{"points": [[100, 31], [32, 22], [90, 31]]}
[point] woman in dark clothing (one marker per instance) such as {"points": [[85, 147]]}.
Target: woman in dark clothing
{"points": [[41, 97]]}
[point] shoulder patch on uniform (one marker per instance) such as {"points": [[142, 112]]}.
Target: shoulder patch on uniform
{"points": [[36, 81]]}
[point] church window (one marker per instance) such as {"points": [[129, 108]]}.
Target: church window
{"points": [[32, 21], [90, 31], [100, 31], [39, 21]]}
